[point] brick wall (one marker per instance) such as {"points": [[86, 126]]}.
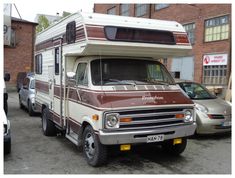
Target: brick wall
{"points": [[20, 58]]}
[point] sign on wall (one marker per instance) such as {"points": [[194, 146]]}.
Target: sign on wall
{"points": [[215, 59]]}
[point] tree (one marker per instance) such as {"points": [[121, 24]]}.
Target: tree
{"points": [[43, 23], [65, 14]]}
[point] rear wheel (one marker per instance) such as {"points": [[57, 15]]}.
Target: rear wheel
{"points": [[48, 127], [94, 151], [176, 149], [30, 108], [7, 147]]}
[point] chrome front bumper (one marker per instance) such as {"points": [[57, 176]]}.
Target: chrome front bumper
{"points": [[140, 136]]}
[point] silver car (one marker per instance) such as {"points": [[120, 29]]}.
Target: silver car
{"points": [[27, 94], [213, 113]]}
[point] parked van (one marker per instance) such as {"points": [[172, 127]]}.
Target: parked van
{"points": [[98, 80]]}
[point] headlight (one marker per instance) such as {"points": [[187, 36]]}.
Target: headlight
{"points": [[188, 116], [111, 121], [201, 108], [33, 100]]}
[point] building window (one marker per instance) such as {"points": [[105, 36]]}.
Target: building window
{"points": [[140, 10], [217, 29], [71, 32], [215, 75], [161, 6], [13, 38], [215, 69], [124, 9], [190, 29], [38, 64], [57, 61], [112, 11]]}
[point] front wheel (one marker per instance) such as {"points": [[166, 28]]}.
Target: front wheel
{"points": [[94, 151], [176, 149]]}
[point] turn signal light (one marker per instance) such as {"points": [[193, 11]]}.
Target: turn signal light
{"points": [[179, 116], [125, 119], [95, 117]]}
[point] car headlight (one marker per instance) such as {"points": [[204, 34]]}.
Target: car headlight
{"points": [[201, 108], [111, 121], [188, 116]]}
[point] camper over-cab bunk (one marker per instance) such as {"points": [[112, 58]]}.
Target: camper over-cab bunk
{"points": [[98, 81]]}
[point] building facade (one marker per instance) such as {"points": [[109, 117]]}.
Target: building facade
{"points": [[209, 30], [19, 54]]}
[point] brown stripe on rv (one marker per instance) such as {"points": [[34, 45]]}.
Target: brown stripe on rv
{"points": [[128, 99], [80, 36], [42, 86], [95, 32]]}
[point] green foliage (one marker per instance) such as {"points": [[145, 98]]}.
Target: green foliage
{"points": [[65, 14], [43, 23]]}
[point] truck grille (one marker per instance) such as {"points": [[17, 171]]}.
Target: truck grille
{"points": [[151, 118]]}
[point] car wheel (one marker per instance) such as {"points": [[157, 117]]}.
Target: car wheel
{"points": [[48, 127], [172, 149], [94, 151], [20, 103], [7, 147], [30, 109]]}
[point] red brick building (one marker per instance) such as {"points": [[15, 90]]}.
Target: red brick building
{"points": [[209, 30], [19, 55]]}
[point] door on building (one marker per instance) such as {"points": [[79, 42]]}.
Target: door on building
{"points": [[183, 68]]}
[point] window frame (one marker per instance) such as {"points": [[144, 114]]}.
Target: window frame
{"points": [[70, 32], [192, 31], [214, 23], [125, 12], [163, 6], [57, 61], [85, 75], [138, 7], [113, 10], [38, 64]]}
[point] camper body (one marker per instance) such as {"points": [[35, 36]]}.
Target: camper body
{"points": [[99, 82]]}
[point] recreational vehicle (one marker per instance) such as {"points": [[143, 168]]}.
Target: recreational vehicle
{"points": [[100, 83]]}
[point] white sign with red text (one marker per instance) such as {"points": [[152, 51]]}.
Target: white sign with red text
{"points": [[215, 59]]}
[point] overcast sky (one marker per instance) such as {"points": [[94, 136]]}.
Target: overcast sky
{"points": [[29, 8]]}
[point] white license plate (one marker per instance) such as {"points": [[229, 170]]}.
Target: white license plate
{"points": [[155, 138], [227, 123]]}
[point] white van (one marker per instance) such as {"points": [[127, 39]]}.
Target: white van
{"points": [[99, 81]]}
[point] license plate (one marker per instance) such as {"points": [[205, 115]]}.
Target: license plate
{"points": [[155, 138], [227, 123]]}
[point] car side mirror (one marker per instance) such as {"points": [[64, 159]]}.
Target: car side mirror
{"points": [[7, 77], [71, 78]]}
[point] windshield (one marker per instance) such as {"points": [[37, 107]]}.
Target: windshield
{"points": [[129, 72], [196, 91]]}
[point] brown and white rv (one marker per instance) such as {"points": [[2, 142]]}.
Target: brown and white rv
{"points": [[98, 80]]}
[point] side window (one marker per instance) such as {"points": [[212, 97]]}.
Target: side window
{"points": [[26, 83], [38, 64], [81, 74], [57, 61], [71, 32]]}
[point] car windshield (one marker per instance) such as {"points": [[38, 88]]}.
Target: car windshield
{"points": [[32, 84], [196, 91], [129, 72]]}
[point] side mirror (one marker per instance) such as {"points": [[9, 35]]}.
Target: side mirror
{"points": [[71, 78], [7, 77]]}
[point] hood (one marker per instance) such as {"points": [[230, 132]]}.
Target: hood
{"points": [[121, 99], [215, 106]]}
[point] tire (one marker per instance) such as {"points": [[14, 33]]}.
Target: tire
{"points": [[94, 151], [30, 109], [175, 150], [48, 127], [7, 147], [20, 104]]}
